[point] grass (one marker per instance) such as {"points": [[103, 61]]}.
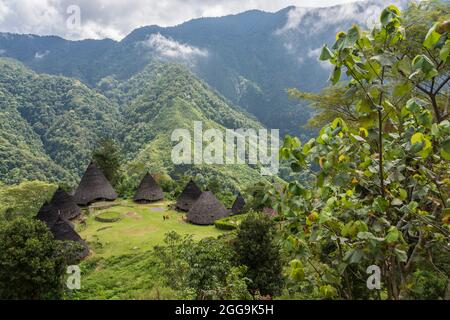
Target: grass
{"points": [[121, 264], [141, 227]]}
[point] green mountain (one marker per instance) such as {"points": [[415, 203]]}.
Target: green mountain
{"points": [[250, 58], [50, 124]]}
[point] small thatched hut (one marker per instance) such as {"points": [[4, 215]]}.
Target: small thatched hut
{"points": [[65, 205], [189, 195], [61, 228], [148, 190], [93, 187], [238, 205], [48, 215], [206, 209]]}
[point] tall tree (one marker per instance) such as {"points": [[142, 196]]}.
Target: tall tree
{"points": [[378, 192], [256, 249], [31, 262], [108, 157]]}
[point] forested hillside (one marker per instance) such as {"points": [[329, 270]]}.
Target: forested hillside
{"points": [[49, 118], [51, 124], [250, 58]]}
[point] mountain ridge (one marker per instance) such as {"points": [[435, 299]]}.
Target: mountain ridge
{"points": [[250, 58], [51, 124]]}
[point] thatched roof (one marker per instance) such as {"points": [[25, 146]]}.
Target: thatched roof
{"points": [[148, 190], [238, 205], [93, 186], [48, 215], [189, 195], [207, 209], [65, 204], [61, 228]]}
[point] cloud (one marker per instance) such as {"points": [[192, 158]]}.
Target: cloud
{"points": [[314, 53], [294, 18], [300, 19], [116, 18], [40, 55], [169, 48]]}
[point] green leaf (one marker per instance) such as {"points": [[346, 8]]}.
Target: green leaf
{"points": [[353, 256], [417, 138], [445, 154], [389, 14], [403, 194], [446, 145], [336, 75], [393, 235], [340, 38], [425, 118], [445, 51], [425, 144], [339, 122], [353, 35], [413, 105], [401, 255], [432, 37], [364, 105], [326, 54], [380, 204], [402, 88], [423, 64]]}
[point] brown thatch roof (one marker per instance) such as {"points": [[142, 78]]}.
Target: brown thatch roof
{"points": [[65, 205], [148, 190], [189, 195], [61, 228], [48, 215], [238, 205], [207, 209], [93, 186]]}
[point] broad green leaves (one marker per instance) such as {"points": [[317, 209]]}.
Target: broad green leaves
{"points": [[373, 183], [326, 54], [390, 15], [439, 33], [423, 65], [432, 37]]}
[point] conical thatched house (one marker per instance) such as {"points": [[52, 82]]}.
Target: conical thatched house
{"points": [[48, 215], [238, 205], [65, 205], [189, 195], [93, 187], [61, 228], [148, 190], [207, 209]]}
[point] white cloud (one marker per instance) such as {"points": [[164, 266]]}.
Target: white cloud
{"points": [[314, 53], [40, 55], [304, 20], [116, 18], [294, 18], [167, 47]]}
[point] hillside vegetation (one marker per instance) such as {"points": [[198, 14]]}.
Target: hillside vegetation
{"points": [[51, 124]]}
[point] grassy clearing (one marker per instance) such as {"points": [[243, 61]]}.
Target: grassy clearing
{"points": [[121, 264], [140, 228]]}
